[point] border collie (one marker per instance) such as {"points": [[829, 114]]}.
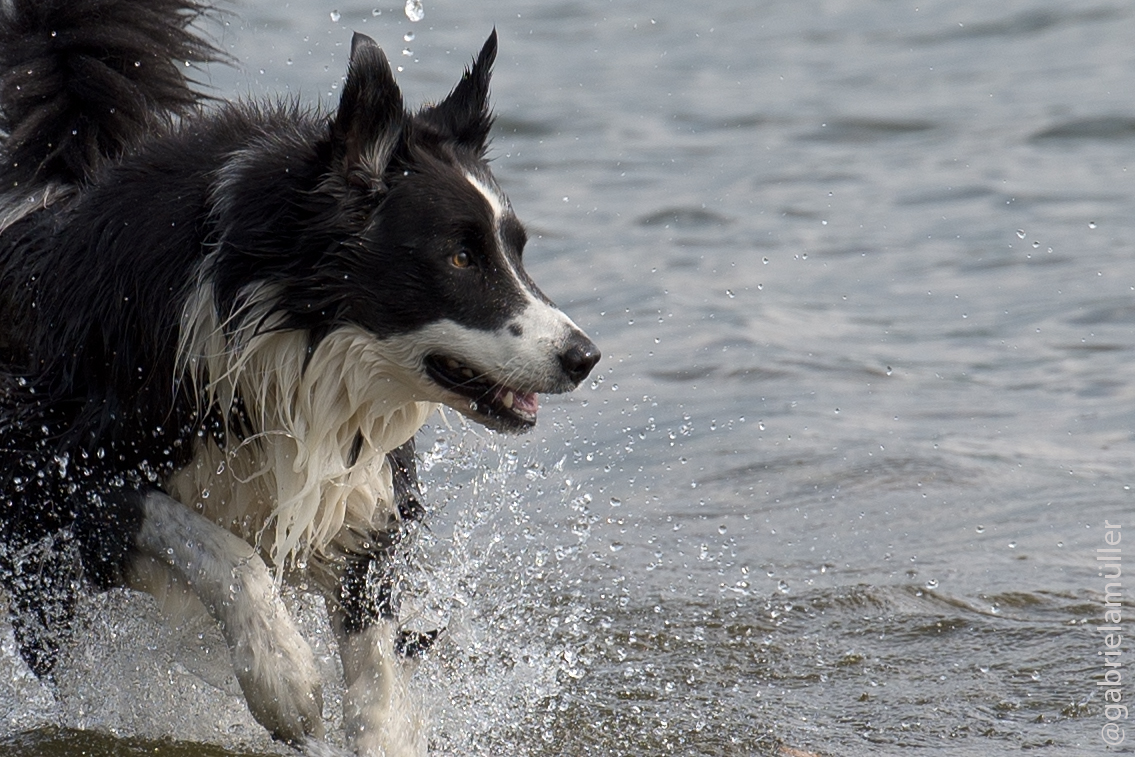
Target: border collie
{"points": [[221, 326]]}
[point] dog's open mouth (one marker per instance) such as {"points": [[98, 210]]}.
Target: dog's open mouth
{"points": [[496, 405]]}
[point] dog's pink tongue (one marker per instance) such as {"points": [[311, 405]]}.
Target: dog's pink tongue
{"points": [[525, 403], [529, 402]]}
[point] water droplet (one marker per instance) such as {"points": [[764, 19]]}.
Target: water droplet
{"points": [[616, 502], [407, 52], [335, 16], [932, 583], [376, 12], [414, 10], [782, 587], [760, 425], [729, 293], [890, 370], [722, 529], [408, 36], [1020, 233], [1012, 545], [1091, 224], [980, 529], [1036, 244], [615, 546], [764, 260]]}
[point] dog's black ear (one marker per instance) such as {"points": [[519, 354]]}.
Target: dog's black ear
{"points": [[464, 115], [368, 124]]}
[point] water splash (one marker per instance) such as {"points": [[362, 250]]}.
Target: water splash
{"points": [[414, 10], [497, 567]]}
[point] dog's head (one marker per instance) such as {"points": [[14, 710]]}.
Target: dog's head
{"points": [[435, 267]]}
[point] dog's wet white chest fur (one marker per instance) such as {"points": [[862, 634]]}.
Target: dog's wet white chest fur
{"points": [[314, 471]]}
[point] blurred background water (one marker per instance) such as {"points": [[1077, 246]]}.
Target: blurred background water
{"points": [[862, 274]]}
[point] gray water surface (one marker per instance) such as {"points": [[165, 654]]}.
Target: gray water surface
{"points": [[862, 274]]}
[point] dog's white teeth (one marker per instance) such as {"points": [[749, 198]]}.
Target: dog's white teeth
{"points": [[467, 372], [452, 364], [507, 401]]}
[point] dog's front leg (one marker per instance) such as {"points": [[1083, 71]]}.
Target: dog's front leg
{"points": [[378, 715], [273, 663]]}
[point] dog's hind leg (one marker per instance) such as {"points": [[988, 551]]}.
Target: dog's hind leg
{"points": [[273, 663], [42, 579], [54, 542]]}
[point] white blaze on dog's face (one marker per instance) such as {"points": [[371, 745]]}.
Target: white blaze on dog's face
{"points": [[437, 274], [497, 361]]}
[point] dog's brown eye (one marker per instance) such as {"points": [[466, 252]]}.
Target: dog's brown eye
{"points": [[461, 259]]}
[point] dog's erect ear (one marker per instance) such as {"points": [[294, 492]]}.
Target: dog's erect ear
{"points": [[464, 115], [368, 124]]}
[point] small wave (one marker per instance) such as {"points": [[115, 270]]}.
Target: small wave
{"points": [[1095, 127], [1024, 24], [1118, 313], [523, 127], [868, 129], [947, 194], [684, 217], [740, 121]]}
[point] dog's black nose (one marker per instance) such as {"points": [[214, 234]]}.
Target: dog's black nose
{"points": [[579, 358]]}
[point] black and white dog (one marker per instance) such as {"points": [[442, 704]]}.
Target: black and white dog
{"points": [[220, 328]]}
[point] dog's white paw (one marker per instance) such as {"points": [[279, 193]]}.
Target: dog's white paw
{"points": [[273, 663], [284, 695]]}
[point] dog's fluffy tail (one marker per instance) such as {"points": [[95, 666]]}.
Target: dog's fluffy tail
{"points": [[81, 80]]}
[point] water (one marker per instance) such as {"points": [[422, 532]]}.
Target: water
{"points": [[862, 274]]}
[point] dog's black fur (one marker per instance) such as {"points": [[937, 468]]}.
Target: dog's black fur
{"points": [[75, 405], [128, 202]]}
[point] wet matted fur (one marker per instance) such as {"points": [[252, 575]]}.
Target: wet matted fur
{"points": [[221, 326]]}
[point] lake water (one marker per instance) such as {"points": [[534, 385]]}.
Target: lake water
{"points": [[863, 276]]}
